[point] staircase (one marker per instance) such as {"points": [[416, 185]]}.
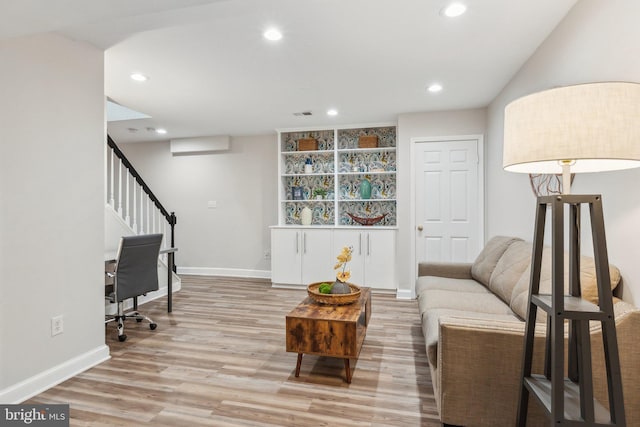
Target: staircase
{"points": [[132, 208]]}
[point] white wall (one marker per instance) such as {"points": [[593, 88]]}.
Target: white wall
{"points": [[51, 229], [597, 41], [230, 239], [415, 125]]}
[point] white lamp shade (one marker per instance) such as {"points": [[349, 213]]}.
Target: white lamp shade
{"points": [[596, 126]]}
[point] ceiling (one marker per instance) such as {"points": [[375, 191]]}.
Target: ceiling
{"points": [[211, 72]]}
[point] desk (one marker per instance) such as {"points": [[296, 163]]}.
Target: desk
{"points": [[110, 257]]}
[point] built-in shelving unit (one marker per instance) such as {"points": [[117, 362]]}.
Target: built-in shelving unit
{"points": [[338, 166], [302, 254]]}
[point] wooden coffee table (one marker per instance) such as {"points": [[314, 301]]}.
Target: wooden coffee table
{"points": [[329, 330]]}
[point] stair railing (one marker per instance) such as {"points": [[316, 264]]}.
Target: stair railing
{"points": [[132, 199]]}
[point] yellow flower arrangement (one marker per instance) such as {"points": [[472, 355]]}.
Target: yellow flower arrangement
{"points": [[343, 258]]}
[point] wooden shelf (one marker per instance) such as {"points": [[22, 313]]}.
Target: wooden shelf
{"points": [[308, 174], [366, 150], [574, 307], [540, 387], [368, 173], [308, 152], [366, 200], [309, 201]]}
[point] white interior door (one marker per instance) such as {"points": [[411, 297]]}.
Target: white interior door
{"points": [[448, 208]]}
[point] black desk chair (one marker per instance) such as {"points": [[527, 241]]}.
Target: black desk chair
{"points": [[135, 274]]}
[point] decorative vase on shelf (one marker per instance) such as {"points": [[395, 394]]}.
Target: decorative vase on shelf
{"points": [[305, 216], [365, 189], [308, 166]]}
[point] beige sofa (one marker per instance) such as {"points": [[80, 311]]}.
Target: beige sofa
{"points": [[472, 319]]}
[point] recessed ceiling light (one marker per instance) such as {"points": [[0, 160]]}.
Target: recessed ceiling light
{"points": [[454, 9], [435, 88], [332, 112], [272, 34], [161, 131], [139, 77]]}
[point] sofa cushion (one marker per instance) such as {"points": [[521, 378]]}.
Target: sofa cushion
{"points": [[509, 269], [432, 303], [488, 258], [460, 285], [588, 283], [471, 302], [431, 326]]}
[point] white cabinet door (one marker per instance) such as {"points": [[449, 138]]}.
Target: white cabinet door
{"points": [[373, 261], [379, 247], [355, 239], [300, 256], [317, 262], [286, 256]]}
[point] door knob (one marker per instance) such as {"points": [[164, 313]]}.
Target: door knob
{"points": [[420, 228]]}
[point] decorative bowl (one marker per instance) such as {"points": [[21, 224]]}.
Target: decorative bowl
{"points": [[333, 299], [367, 221]]}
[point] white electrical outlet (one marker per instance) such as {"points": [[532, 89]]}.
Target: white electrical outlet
{"points": [[57, 325]]}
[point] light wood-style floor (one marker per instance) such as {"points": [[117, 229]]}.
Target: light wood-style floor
{"points": [[219, 360]]}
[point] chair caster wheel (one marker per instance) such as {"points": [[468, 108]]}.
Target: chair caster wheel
{"points": [[121, 338], [153, 326], [138, 320]]}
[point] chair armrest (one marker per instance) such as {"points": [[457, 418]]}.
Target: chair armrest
{"points": [[444, 269]]}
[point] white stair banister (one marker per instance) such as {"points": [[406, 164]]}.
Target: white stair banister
{"points": [[120, 189], [133, 198], [158, 219], [127, 218], [111, 199]]}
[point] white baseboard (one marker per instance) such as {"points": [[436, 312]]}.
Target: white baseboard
{"points": [[405, 294], [289, 286], [230, 272], [30, 387]]}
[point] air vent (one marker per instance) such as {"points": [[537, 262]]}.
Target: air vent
{"points": [[204, 145], [303, 113]]}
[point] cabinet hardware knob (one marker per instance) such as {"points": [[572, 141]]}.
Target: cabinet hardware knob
{"points": [[420, 228]]}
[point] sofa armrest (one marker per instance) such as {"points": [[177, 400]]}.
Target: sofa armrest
{"points": [[445, 269], [481, 387], [478, 376]]}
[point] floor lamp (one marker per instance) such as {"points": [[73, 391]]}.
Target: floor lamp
{"points": [[582, 128]]}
